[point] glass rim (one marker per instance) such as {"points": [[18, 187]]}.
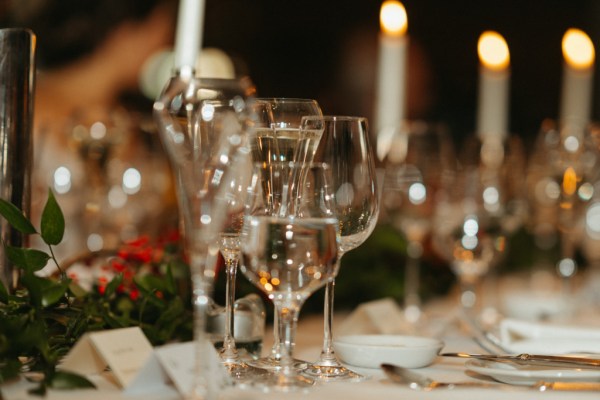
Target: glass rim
{"points": [[285, 99], [335, 118], [263, 164]]}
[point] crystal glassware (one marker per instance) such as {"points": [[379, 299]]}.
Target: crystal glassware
{"points": [[203, 125], [289, 258], [562, 177], [419, 162], [478, 210], [276, 138], [229, 243], [346, 148]]}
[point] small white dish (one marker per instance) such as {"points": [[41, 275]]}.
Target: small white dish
{"points": [[370, 351], [528, 375]]}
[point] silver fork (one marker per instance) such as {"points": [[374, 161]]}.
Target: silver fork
{"points": [[484, 338]]}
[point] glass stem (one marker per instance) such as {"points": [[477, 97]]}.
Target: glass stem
{"points": [[277, 335], [412, 300], [469, 296], [288, 317], [567, 266], [229, 352], [201, 301], [327, 353]]}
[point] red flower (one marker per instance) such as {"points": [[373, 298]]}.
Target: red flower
{"points": [[134, 294]]}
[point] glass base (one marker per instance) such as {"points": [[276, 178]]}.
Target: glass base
{"points": [[274, 364], [241, 372], [332, 372], [281, 382]]}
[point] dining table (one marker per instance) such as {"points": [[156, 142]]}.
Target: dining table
{"points": [[376, 386]]}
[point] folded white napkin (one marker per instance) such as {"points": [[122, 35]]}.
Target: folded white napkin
{"points": [[544, 338], [382, 316]]}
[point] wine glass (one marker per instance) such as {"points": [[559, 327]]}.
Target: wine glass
{"points": [[276, 138], [229, 243], [346, 148], [477, 211], [289, 258], [419, 162], [562, 177], [203, 125]]}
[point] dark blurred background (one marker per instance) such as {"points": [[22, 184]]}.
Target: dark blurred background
{"points": [[328, 50]]}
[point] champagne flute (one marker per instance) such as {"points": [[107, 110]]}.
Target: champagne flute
{"points": [[229, 242], [289, 258], [346, 148], [203, 125], [419, 161]]}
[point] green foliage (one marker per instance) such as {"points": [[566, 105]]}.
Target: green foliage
{"points": [[53, 222], [45, 316]]}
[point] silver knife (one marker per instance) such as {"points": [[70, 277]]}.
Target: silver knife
{"points": [[534, 359], [415, 380]]}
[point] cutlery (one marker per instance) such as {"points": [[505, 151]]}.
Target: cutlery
{"points": [[415, 380], [533, 359]]}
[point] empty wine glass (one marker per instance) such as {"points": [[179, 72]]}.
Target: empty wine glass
{"points": [[420, 160], [562, 176], [289, 258], [203, 125], [346, 148], [478, 210]]}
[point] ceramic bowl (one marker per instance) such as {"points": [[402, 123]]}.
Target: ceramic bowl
{"points": [[370, 351]]}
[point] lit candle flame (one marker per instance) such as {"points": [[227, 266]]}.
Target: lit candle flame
{"points": [[393, 18], [578, 49], [493, 51], [569, 181]]}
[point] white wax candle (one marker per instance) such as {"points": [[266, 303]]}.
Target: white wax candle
{"points": [[390, 103], [188, 39], [492, 114], [576, 102]]}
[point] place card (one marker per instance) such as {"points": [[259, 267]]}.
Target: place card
{"points": [[123, 351], [179, 362]]}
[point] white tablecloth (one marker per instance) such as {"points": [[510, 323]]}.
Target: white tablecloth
{"points": [[378, 387]]}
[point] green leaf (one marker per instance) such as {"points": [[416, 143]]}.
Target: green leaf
{"points": [[68, 380], [30, 260], [149, 296], [77, 290], [10, 368], [113, 285], [53, 221], [34, 287], [53, 293], [15, 217], [170, 281]]}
